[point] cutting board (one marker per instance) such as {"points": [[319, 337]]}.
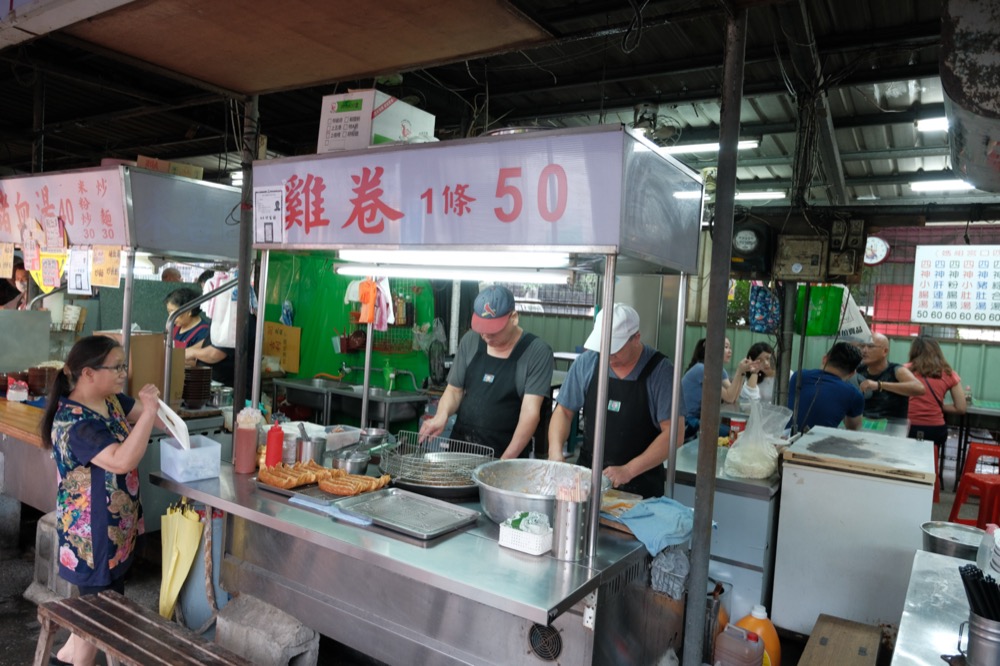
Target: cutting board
{"points": [[617, 502], [864, 452]]}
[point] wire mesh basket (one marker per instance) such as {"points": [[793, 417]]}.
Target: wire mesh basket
{"points": [[435, 462]]}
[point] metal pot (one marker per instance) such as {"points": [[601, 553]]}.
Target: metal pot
{"points": [[943, 538], [350, 460]]}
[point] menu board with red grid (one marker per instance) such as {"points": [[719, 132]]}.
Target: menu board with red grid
{"points": [[956, 284]]}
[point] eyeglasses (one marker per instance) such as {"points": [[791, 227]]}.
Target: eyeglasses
{"points": [[121, 367]]}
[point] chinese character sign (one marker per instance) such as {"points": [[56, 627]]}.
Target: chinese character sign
{"points": [[956, 284], [88, 206], [105, 266], [563, 189]]}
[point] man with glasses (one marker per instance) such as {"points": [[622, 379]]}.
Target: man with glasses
{"points": [[887, 386], [498, 382], [637, 426]]}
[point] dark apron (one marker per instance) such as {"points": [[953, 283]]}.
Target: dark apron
{"points": [[491, 405], [628, 431]]}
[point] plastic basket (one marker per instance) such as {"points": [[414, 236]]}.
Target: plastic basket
{"points": [[533, 544]]}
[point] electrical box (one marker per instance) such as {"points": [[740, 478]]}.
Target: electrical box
{"points": [[801, 258], [856, 234]]}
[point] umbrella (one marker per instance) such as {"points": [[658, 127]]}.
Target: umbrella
{"points": [[180, 531]]}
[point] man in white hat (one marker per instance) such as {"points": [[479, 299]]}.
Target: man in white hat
{"points": [[498, 382], [637, 429]]}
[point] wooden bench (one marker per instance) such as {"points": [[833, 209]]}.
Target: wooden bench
{"points": [[128, 634]]}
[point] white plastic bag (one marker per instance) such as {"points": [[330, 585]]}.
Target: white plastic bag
{"points": [[754, 455]]}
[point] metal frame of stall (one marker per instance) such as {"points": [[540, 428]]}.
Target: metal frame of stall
{"points": [[611, 195]]}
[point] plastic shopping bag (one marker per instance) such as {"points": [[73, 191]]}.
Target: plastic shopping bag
{"points": [[754, 455]]}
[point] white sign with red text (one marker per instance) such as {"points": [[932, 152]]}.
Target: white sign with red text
{"points": [[956, 285], [89, 204], [536, 189]]}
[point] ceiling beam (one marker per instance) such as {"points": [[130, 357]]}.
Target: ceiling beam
{"points": [[593, 106]]}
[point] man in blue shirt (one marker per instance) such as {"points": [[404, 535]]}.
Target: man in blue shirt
{"points": [[637, 424], [827, 397]]}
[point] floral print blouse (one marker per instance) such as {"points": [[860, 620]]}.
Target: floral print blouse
{"points": [[98, 513]]}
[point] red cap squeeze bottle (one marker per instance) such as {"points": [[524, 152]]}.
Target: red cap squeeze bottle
{"points": [[275, 444]]}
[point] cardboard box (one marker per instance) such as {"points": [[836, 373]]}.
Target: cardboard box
{"points": [[145, 364], [201, 461], [361, 118], [838, 642]]}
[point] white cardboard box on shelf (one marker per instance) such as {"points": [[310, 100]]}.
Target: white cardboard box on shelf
{"points": [[201, 461], [360, 118]]}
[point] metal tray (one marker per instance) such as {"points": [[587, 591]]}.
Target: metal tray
{"points": [[409, 513], [441, 492], [309, 491]]}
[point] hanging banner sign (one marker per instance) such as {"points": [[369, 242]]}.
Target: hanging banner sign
{"points": [[956, 284], [89, 203], [853, 326], [540, 188], [78, 271], [105, 266]]}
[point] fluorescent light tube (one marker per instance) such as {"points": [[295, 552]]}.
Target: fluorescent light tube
{"points": [[759, 196], [455, 273], [932, 125], [954, 185], [706, 147], [688, 194], [477, 259]]}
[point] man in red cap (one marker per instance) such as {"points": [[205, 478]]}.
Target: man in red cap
{"points": [[498, 382]]}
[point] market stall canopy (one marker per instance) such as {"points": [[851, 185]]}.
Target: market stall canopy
{"points": [[254, 46], [599, 190], [124, 207]]}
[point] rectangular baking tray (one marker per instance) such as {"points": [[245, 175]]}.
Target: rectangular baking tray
{"points": [[309, 491], [409, 513]]}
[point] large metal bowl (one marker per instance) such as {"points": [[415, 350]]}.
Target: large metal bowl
{"points": [[509, 486], [961, 541]]}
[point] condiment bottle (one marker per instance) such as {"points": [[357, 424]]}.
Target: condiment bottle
{"points": [[275, 445], [758, 623]]}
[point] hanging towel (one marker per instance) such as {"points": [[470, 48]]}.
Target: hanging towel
{"points": [[383, 306], [352, 293], [658, 522], [368, 292]]}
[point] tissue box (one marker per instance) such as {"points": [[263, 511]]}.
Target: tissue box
{"points": [[201, 461]]}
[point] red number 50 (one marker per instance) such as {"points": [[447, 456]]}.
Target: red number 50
{"points": [[548, 212]]}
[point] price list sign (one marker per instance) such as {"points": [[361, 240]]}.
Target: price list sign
{"points": [[105, 266], [956, 284]]}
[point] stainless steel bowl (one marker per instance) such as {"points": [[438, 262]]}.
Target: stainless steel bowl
{"points": [[509, 486], [351, 461], [372, 437], [943, 538]]}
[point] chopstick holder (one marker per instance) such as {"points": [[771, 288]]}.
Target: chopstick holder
{"points": [[175, 425]]}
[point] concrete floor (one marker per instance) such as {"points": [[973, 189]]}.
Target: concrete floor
{"points": [[19, 626]]}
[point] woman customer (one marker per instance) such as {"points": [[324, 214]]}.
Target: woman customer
{"points": [[97, 435], [694, 378], [927, 411], [191, 329], [760, 383]]}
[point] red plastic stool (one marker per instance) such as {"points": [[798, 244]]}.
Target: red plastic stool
{"points": [[937, 477], [976, 451], [987, 487]]}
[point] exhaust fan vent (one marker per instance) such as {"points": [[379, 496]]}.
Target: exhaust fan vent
{"points": [[545, 642]]}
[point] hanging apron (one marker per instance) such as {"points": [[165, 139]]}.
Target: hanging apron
{"points": [[628, 431], [491, 406]]}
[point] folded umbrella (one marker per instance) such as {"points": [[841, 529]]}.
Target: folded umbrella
{"points": [[180, 534]]}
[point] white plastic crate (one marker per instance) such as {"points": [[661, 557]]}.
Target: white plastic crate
{"points": [[533, 544], [201, 461]]}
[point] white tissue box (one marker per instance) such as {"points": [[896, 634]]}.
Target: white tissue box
{"points": [[201, 461]]}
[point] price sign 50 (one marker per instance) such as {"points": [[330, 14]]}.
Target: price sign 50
{"points": [[551, 193]]}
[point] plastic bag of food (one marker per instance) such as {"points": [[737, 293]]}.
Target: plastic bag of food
{"points": [[754, 455]]}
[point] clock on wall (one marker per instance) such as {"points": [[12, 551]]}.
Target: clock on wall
{"points": [[876, 251], [752, 248]]}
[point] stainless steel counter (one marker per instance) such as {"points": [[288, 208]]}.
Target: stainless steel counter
{"points": [[935, 607], [456, 599]]}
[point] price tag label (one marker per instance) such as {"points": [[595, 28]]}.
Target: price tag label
{"points": [[105, 267], [6, 260]]}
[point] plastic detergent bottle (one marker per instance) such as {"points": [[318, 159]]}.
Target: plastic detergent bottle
{"points": [[758, 623], [737, 646]]}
